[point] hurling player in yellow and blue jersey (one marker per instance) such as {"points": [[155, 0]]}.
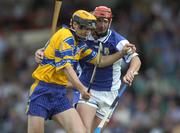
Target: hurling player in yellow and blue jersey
{"points": [[48, 98]]}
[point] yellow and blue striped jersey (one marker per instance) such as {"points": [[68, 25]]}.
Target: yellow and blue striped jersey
{"points": [[63, 50]]}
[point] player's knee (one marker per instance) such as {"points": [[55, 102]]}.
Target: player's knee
{"points": [[82, 130], [35, 130], [87, 129]]}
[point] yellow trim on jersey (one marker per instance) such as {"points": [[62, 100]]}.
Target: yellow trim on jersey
{"points": [[33, 86]]}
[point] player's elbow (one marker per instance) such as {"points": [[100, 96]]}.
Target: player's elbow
{"points": [[102, 63]]}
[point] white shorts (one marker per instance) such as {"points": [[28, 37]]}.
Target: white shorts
{"points": [[101, 100]]}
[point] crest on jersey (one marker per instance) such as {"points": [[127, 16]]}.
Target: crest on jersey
{"points": [[106, 51]]}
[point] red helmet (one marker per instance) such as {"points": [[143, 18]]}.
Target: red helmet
{"points": [[102, 12]]}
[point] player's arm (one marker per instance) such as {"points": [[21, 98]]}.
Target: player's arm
{"points": [[73, 78], [69, 85], [134, 66], [64, 57], [110, 59]]}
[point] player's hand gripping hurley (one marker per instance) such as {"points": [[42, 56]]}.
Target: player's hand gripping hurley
{"points": [[100, 126], [99, 55]]}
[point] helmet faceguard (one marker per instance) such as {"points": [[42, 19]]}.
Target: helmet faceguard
{"points": [[85, 22], [84, 18]]}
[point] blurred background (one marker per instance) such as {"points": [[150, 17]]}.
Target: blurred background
{"points": [[151, 105]]}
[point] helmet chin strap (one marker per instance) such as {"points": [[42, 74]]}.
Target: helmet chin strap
{"points": [[82, 38], [101, 34], [78, 35]]}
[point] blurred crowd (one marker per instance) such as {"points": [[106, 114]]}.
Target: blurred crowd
{"points": [[150, 105]]}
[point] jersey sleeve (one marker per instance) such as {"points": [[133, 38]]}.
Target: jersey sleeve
{"points": [[64, 55], [88, 55], [127, 58]]}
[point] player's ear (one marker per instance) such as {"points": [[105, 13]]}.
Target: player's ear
{"points": [[74, 25], [110, 21], [70, 23]]}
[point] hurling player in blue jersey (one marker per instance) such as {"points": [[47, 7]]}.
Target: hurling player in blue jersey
{"points": [[107, 80]]}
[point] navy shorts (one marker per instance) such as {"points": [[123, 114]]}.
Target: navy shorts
{"points": [[47, 100], [76, 96]]}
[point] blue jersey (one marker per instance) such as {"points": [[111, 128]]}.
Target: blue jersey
{"points": [[107, 78]]}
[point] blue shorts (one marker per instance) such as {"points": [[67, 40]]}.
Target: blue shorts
{"points": [[76, 96], [47, 100]]}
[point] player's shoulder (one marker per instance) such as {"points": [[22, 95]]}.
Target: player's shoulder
{"points": [[64, 35], [115, 35], [115, 38]]}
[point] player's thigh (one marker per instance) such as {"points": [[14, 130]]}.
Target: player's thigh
{"points": [[87, 114], [70, 120], [35, 124]]}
